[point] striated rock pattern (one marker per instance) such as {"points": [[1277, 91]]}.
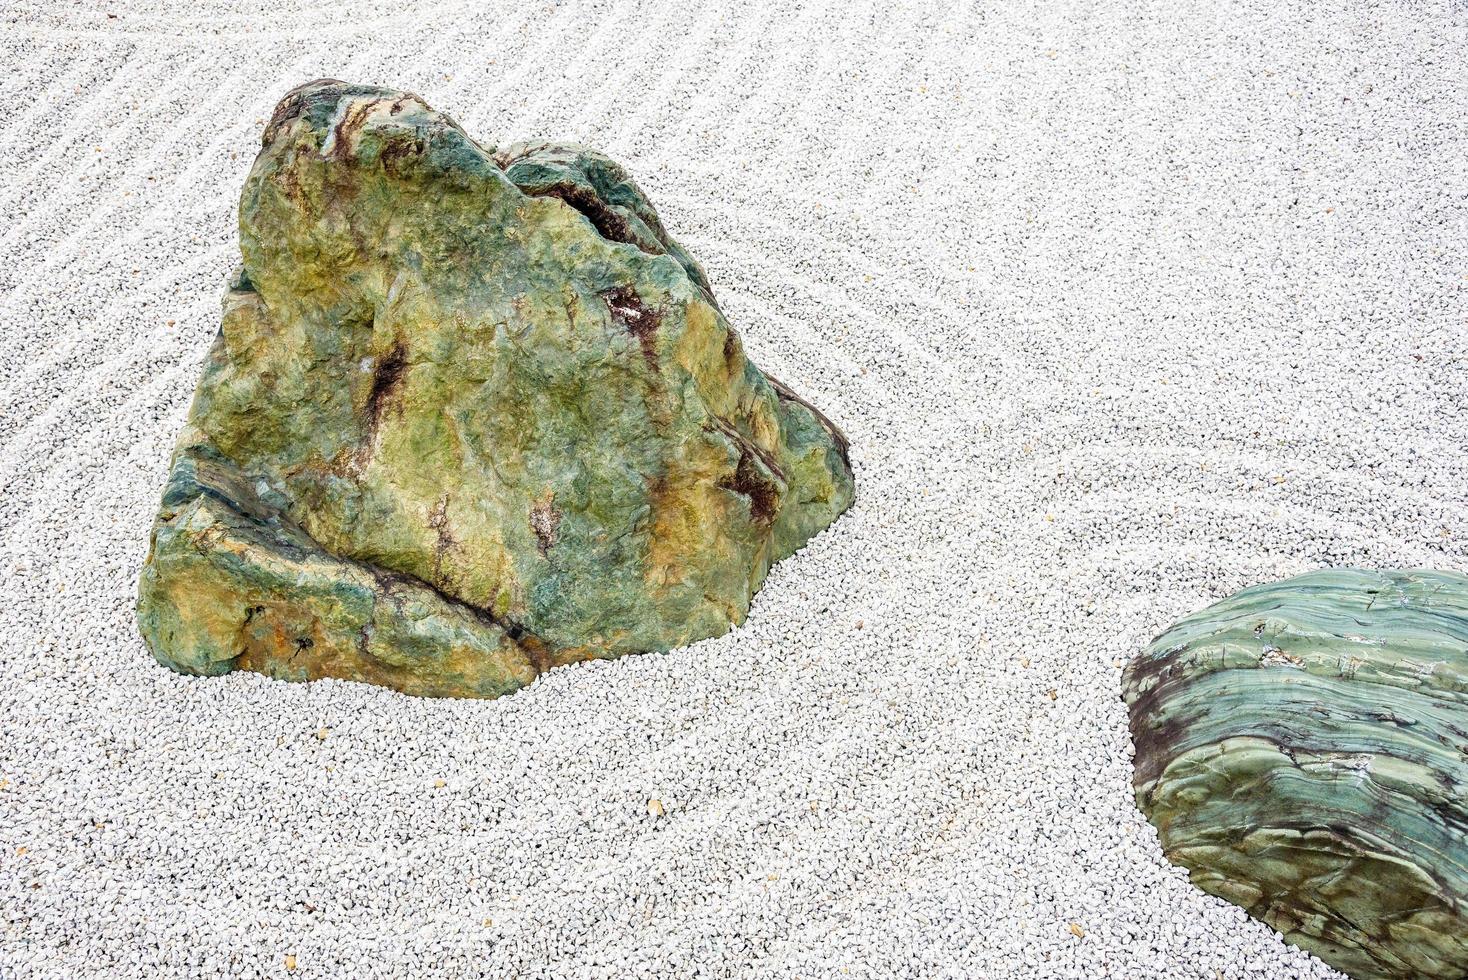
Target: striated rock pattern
{"points": [[1302, 748], [471, 413]]}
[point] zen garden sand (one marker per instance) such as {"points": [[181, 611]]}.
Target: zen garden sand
{"points": [[1122, 308]]}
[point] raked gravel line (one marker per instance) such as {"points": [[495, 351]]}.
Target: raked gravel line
{"points": [[1123, 305]]}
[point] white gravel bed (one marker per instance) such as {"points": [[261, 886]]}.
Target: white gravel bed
{"points": [[1123, 305]]}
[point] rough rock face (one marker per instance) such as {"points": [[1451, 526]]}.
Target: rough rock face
{"points": [[1302, 748], [470, 414]]}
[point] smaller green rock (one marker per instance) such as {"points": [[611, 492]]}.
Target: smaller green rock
{"points": [[1302, 749]]}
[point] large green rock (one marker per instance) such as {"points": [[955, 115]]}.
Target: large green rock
{"points": [[470, 414], [1302, 748]]}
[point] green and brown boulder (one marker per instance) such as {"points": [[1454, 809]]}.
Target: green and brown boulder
{"points": [[471, 413], [1302, 748]]}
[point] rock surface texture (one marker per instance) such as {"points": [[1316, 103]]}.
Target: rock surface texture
{"points": [[471, 413], [1302, 748]]}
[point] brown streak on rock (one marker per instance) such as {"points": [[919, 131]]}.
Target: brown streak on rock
{"points": [[1156, 746], [387, 379], [747, 445], [764, 496], [438, 520], [629, 312], [395, 154], [289, 183], [350, 125]]}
